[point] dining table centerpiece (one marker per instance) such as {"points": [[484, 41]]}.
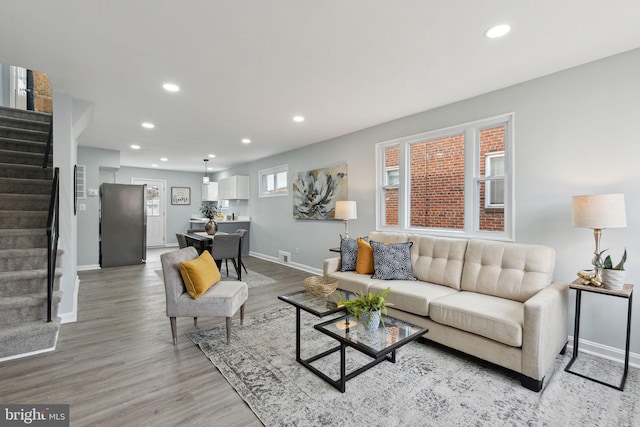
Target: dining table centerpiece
{"points": [[209, 211]]}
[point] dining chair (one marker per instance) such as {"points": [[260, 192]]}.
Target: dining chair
{"points": [[182, 241], [227, 247], [242, 232], [222, 299]]}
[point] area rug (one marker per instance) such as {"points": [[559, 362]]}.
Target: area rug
{"points": [[427, 386], [252, 278]]}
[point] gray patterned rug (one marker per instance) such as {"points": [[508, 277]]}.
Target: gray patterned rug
{"points": [[427, 386], [252, 278]]}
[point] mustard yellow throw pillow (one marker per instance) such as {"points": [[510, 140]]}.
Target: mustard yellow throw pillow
{"points": [[199, 274], [364, 260]]}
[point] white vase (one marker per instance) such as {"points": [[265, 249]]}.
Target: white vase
{"points": [[613, 279]]}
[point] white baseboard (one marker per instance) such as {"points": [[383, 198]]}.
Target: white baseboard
{"points": [[295, 265], [605, 351], [88, 267], [72, 316]]}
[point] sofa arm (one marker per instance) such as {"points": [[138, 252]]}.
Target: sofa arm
{"points": [[330, 265], [544, 332]]}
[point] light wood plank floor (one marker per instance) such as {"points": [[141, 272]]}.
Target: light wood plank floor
{"points": [[117, 366]]}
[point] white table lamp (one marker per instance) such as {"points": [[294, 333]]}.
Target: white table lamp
{"points": [[599, 212], [346, 210]]}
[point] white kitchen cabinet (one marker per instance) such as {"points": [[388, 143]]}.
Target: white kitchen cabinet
{"points": [[233, 188], [210, 192]]}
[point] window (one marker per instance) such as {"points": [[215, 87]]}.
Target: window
{"points": [[273, 181], [153, 200], [453, 181], [495, 190], [81, 180]]}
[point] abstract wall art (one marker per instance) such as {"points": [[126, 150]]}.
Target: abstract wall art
{"points": [[315, 192]]}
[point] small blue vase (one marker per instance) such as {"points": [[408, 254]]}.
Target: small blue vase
{"points": [[371, 325]]}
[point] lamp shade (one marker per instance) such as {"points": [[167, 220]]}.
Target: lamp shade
{"points": [[599, 211], [346, 209]]}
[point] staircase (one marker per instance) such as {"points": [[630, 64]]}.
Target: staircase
{"points": [[25, 193]]}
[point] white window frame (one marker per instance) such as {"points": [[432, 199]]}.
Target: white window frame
{"points": [[488, 162], [472, 180], [274, 171]]}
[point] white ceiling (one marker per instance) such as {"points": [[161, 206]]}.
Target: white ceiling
{"points": [[246, 67]]}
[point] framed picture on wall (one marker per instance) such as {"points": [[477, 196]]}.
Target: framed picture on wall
{"points": [[180, 195]]}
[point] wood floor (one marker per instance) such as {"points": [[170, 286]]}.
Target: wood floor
{"points": [[117, 366]]}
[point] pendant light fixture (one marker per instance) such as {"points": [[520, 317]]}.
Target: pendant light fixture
{"points": [[205, 178]]}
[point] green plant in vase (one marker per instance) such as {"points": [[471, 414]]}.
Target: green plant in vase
{"points": [[365, 305], [612, 276]]}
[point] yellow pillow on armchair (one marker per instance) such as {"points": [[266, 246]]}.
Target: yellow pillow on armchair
{"points": [[199, 274]]}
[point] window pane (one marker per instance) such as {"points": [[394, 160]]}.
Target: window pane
{"points": [[281, 181], [392, 180], [153, 200], [490, 218], [271, 183], [437, 183]]}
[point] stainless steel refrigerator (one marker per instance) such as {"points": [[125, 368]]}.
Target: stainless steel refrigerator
{"points": [[123, 225]]}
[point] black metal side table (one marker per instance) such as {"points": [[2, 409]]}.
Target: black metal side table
{"points": [[626, 292]]}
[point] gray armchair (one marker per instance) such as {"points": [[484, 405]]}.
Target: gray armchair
{"points": [[222, 299]]}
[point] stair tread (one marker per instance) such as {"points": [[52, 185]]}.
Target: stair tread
{"points": [[27, 299], [27, 274], [30, 326], [31, 131], [20, 153], [23, 231], [24, 141]]}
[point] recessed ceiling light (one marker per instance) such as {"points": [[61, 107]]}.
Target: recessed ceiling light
{"points": [[155, 165], [298, 119], [212, 155], [148, 125], [135, 146], [246, 141], [209, 169], [170, 87], [497, 31], [163, 159]]}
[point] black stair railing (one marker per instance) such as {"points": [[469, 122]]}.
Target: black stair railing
{"points": [[53, 228]]}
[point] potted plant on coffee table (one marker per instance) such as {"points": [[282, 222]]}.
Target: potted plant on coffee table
{"points": [[368, 307]]}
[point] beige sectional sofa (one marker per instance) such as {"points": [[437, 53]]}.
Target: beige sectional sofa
{"points": [[493, 300]]}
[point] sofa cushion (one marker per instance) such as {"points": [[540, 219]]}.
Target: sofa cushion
{"points": [[438, 260], [495, 318], [388, 237], [364, 262], [411, 296], [514, 271], [392, 261], [350, 281]]}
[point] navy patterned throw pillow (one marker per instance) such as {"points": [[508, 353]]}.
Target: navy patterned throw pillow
{"points": [[348, 253], [392, 261]]}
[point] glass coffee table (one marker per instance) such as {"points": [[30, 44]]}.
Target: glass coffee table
{"points": [[380, 344]]}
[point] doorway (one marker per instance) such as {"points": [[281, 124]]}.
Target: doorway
{"points": [[155, 201]]}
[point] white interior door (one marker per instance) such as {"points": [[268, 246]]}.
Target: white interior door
{"points": [[155, 201]]}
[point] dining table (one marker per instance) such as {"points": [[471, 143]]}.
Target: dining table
{"points": [[201, 240]]}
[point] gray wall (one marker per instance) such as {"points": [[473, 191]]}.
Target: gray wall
{"points": [[575, 133], [177, 216]]}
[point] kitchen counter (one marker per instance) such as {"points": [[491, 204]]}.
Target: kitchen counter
{"points": [[205, 220]]}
